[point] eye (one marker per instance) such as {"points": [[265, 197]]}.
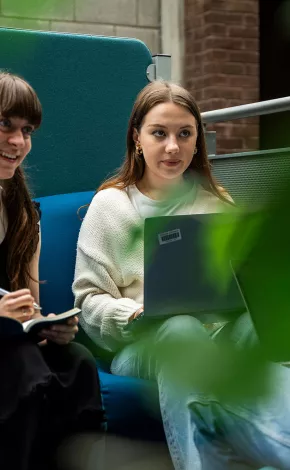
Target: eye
{"points": [[185, 133], [159, 133], [4, 122], [27, 131]]}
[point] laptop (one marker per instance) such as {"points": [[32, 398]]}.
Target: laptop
{"points": [[266, 296], [177, 271]]}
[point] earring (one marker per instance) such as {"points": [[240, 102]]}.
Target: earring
{"points": [[195, 151], [139, 150]]}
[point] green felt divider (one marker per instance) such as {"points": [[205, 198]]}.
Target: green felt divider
{"points": [[87, 85]]}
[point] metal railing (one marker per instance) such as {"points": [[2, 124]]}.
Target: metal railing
{"points": [[278, 105], [247, 110]]}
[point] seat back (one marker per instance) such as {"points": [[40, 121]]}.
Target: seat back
{"points": [[60, 226], [87, 85]]}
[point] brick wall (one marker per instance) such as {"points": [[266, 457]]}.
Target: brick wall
{"points": [[125, 18], [222, 64]]}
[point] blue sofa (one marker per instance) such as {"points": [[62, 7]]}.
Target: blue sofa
{"points": [[131, 404]]}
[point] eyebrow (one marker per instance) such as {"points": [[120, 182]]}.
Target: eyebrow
{"points": [[165, 127]]}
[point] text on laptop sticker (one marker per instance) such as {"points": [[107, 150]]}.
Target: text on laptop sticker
{"points": [[168, 237]]}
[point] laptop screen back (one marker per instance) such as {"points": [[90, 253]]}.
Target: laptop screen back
{"points": [[176, 278]]}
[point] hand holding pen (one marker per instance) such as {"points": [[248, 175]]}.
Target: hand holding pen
{"points": [[4, 292], [19, 305]]}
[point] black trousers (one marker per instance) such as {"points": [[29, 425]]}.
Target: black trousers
{"points": [[46, 394]]}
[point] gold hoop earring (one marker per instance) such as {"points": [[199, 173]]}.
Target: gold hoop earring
{"points": [[139, 151], [195, 151]]}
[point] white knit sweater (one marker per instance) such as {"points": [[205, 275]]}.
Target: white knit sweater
{"points": [[108, 283]]}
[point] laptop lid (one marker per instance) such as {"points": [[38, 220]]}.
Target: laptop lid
{"points": [[176, 271], [264, 291]]}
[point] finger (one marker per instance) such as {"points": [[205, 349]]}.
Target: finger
{"points": [[64, 329], [23, 301], [57, 337], [23, 314], [73, 321], [62, 334], [18, 293]]}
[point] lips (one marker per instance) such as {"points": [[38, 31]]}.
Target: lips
{"points": [[8, 156], [171, 162]]}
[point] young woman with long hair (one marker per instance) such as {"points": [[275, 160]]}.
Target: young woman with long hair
{"points": [[166, 172], [51, 389]]}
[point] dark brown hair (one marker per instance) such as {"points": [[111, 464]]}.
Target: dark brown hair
{"points": [[133, 167], [18, 99]]}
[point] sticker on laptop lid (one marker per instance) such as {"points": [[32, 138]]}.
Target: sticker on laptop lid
{"points": [[168, 237]]}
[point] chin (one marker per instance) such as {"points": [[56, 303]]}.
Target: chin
{"points": [[172, 176], [6, 175]]}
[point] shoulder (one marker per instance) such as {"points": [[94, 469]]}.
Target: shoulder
{"points": [[110, 208], [206, 201], [111, 197]]}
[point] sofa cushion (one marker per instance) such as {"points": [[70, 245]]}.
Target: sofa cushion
{"points": [[60, 225], [131, 404]]}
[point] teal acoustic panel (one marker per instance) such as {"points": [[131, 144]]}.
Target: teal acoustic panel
{"points": [[87, 85]]}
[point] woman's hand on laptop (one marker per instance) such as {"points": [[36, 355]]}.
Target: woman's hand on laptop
{"points": [[136, 314]]}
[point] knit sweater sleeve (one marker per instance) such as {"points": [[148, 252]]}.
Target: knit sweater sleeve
{"points": [[99, 274]]}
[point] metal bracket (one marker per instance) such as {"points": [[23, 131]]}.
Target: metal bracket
{"points": [[160, 69], [210, 140]]}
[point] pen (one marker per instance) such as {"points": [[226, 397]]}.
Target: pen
{"points": [[4, 292]]}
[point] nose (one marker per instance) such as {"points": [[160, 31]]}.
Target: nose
{"points": [[172, 145], [16, 138]]}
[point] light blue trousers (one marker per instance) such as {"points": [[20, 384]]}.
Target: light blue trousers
{"points": [[201, 432]]}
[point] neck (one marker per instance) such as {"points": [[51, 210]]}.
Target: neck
{"points": [[158, 189]]}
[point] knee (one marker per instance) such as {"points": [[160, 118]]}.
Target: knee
{"points": [[181, 328]]}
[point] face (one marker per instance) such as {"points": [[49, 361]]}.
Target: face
{"points": [[15, 144], [168, 140]]}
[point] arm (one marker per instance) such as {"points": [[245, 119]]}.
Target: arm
{"points": [[34, 273], [101, 270]]}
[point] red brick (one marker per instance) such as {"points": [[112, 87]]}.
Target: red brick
{"points": [[233, 144], [214, 103], [224, 43], [244, 56], [250, 95], [251, 20], [250, 120], [223, 17], [234, 68], [251, 143], [243, 81], [241, 6], [252, 69], [214, 54], [246, 130], [242, 32], [215, 29], [223, 92], [222, 63], [252, 44], [212, 67]]}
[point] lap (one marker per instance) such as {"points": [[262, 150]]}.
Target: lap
{"points": [[175, 335], [179, 334]]}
